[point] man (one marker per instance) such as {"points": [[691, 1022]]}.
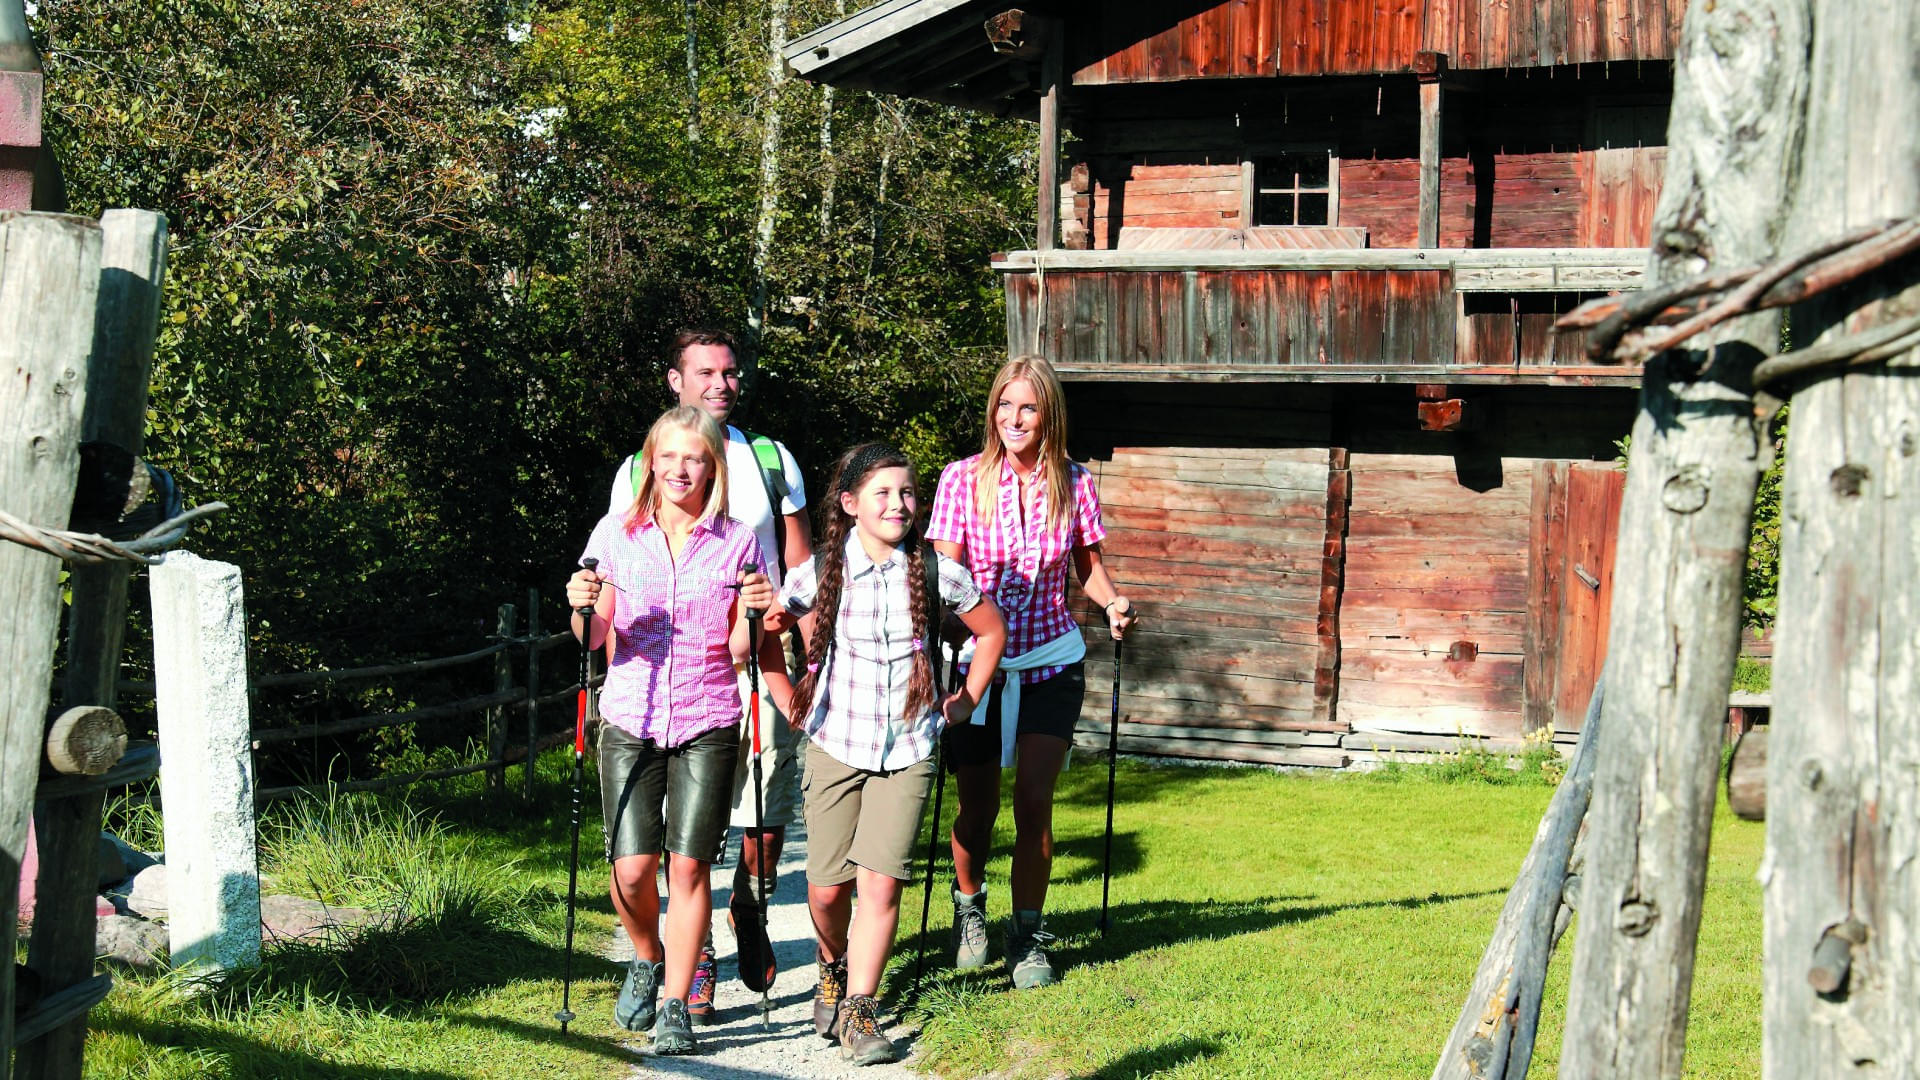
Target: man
{"points": [[704, 371]]}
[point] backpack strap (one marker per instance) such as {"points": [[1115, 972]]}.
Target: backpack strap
{"points": [[773, 477]]}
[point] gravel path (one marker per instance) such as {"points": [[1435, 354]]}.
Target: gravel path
{"points": [[737, 1046]]}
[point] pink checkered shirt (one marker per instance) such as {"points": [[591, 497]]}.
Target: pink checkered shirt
{"points": [[1023, 566], [869, 667], [671, 679]]}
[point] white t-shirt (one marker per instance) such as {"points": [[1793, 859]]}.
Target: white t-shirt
{"points": [[746, 492]]}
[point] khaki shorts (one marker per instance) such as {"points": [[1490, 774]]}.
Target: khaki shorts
{"points": [[858, 818], [779, 769]]}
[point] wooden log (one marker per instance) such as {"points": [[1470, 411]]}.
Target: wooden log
{"points": [[133, 260], [1684, 523], [140, 762], [1429, 68], [533, 693], [1493, 1036], [1747, 776], [86, 741], [49, 279], [1842, 887]]}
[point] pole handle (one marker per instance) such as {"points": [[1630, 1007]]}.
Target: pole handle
{"points": [[591, 566], [750, 568]]}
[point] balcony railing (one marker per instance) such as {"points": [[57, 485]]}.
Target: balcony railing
{"points": [[1377, 315]]}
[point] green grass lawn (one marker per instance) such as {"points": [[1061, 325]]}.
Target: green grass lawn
{"points": [[1263, 925]]}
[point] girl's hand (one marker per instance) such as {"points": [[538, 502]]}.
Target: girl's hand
{"points": [[957, 707], [1121, 614], [756, 591], [583, 589]]}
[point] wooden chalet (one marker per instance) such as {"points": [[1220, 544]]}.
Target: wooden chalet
{"points": [[1297, 261]]}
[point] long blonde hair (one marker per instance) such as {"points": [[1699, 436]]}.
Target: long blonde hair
{"points": [[646, 501], [1053, 440]]}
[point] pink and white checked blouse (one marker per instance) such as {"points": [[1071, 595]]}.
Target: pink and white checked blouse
{"points": [[856, 718], [1022, 565], [671, 679]]}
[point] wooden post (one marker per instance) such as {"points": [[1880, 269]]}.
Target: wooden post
{"points": [[497, 716], [1841, 886], [49, 279], [133, 261], [1697, 457], [1429, 67], [1052, 75], [533, 691]]}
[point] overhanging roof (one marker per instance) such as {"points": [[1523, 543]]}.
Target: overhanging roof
{"points": [[936, 50]]}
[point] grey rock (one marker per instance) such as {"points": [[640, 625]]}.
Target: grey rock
{"points": [[148, 896], [136, 943], [295, 918]]}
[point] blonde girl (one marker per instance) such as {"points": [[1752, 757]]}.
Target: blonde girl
{"points": [[1019, 514], [871, 707], [673, 631]]}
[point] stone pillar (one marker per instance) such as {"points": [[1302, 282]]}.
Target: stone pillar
{"points": [[206, 763]]}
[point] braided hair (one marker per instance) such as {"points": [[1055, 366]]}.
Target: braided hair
{"points": [[830, 565]]}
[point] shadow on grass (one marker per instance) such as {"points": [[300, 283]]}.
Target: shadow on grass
{"points": [[549, 1033], [253, 1058], [1154, 1060], [416, 963], [1089, 852]]}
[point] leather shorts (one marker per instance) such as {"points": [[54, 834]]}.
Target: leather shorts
{"points": [[654, 799]]}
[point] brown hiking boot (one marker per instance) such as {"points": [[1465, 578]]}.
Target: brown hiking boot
{"points": [[827, 997], [860, 1038]]}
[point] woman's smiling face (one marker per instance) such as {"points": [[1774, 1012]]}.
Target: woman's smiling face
{"points": [[683, 470], [1017, 418]]}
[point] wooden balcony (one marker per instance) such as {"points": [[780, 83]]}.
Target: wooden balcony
{"points": [[1384, 315]]}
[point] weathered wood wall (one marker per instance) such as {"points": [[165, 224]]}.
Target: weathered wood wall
{"points": [[1134, 43], [1434, 613], [1308, 602]]}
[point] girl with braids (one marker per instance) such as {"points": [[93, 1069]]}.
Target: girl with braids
{"points": [[1019, 514], [871, 707]]}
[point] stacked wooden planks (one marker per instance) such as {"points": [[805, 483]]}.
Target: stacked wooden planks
{"points": [[1224, 551]]}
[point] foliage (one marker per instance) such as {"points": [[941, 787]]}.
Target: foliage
{"points": [[1470, 762], [424, 257], [1752, 675]]}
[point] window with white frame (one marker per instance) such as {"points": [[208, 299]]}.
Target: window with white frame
{"points": [[1295, 187]]}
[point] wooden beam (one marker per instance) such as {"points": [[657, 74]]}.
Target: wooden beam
{"points": [[1047, 231], [1685, 521], [1429, 67], [1017, 34]]}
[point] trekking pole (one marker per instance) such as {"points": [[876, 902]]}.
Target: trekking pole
{"points": [[759, 830], [1113, 759], [584, 706], [933, 832]]}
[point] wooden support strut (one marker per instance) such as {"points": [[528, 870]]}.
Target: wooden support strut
{"points": [[1429, 68], [1437, 411], [1052, 78]]}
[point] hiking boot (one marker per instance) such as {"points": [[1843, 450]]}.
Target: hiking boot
{"points": [[634, 1009], [827, 996], [756, 952], [700, 996], [672, 1034], [1027, 941], [860, 1038], [969, 929]]}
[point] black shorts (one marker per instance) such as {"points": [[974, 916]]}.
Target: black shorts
{"points": [[1048, 707], [694, 781]]}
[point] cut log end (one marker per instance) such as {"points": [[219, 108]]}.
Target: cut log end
{"points": [[1747, 776], [86, 741]]}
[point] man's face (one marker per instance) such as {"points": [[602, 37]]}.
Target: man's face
{"points": [[708, 378]]}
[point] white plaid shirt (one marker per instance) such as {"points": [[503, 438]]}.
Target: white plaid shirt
{"points": [[856, 717]]}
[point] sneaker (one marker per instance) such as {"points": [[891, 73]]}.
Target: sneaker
{"points": [[1027, 941], [827, 996], [969, 929], [700, 996], [860, 1038], [634, 1008], [672, 1034], [756, 952]]}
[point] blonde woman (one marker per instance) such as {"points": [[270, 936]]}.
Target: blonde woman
{"points": [[1018, 515], [674, 625]]}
